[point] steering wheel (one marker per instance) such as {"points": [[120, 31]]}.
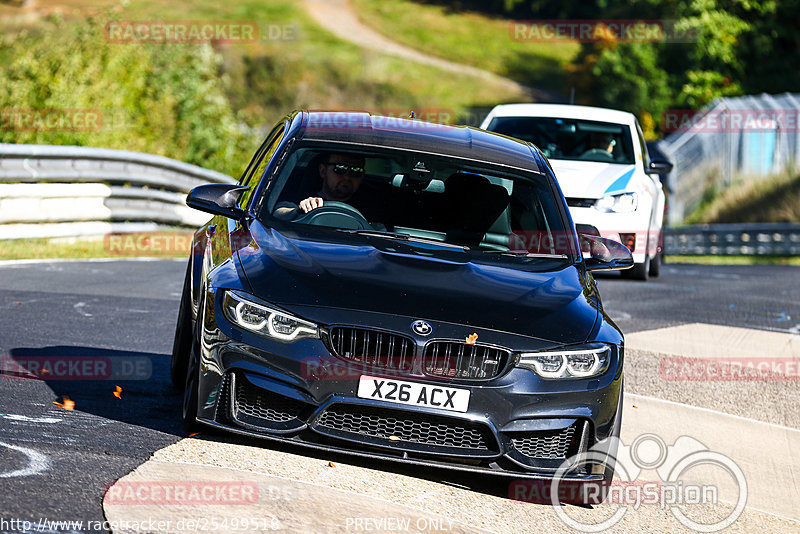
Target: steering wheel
{"points": [[336, 215], [594, 153]]}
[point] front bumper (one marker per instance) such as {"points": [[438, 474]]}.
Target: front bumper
{"points": [[516, 422]]}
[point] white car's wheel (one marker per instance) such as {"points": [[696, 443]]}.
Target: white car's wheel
{"points": [[639, 271], [655, 266]]}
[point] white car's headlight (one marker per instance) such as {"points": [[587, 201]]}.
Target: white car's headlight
{"points": [[623, 203], [582, 362], [243, 311]]}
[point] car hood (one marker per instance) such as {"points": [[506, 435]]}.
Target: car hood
{"points": [[591, 179], [416, 280]]}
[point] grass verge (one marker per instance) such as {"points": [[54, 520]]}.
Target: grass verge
{"points": [[155, 244], [733, 260], [774, 199], [207, 104], [177, 245], [471, 38]]}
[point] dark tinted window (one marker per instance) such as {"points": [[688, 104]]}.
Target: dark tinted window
{"points": [[423, 196], [573, 139]]}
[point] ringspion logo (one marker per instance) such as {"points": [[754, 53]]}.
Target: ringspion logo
{"points": [[681, 469]]}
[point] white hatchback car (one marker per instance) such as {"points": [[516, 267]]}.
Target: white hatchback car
{"points": [[601, 163]]}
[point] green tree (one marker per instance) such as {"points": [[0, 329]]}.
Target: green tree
{"points": [[621, 75], [716, 60], [167, 100], [770, 51]]}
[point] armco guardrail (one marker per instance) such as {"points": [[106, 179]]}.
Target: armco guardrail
{"points": [[55, 191], [62, 191], [755, 239]]}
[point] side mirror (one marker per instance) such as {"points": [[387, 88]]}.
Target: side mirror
{"points": [[217, 199], [659, 166], [606, 254]]}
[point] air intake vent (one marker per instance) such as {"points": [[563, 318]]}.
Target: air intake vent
{"points": [[255, 407], [548, 444], [404, 426]]}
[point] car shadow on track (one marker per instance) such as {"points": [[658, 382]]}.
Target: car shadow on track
{"points": [[90, 376], [504, 486]]}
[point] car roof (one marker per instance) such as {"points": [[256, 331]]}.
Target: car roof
{"points": [[563, 111], [363, 128]]}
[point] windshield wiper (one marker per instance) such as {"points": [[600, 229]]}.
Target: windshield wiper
{"points": [[527, 254], [376, 233], [403, 237], [442, 244]]}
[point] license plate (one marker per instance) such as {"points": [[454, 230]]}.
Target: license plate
{"points": [[402, 392]]}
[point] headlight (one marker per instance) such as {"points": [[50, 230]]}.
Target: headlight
{"points": [[582, 362], [243, 311], [624, 203]]}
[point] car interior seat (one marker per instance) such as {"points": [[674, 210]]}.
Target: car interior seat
{"points": [[472, 204]]}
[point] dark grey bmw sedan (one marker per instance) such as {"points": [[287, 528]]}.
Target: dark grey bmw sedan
{"points": [[404, 290]]}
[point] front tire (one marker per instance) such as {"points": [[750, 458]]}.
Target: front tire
{"points": [[616, 432], [192, 383], [182, 345], [189, 412]]}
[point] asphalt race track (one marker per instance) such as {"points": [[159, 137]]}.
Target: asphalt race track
{"points": [[120, 309], [57, 464]]}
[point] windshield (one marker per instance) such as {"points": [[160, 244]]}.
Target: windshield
{"points": [[420, 199], [572, 139]]}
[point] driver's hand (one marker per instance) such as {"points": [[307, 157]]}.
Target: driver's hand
{"points": [[311, 203]]}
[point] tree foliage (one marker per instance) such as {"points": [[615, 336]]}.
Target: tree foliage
{"points": [[166, 100], [735, 47], [716, 60]]}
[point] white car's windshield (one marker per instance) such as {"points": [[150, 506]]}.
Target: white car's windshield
{"points": [[572, 139]]}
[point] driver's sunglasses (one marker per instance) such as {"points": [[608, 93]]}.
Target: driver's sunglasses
{"points": [[354, 172]]}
